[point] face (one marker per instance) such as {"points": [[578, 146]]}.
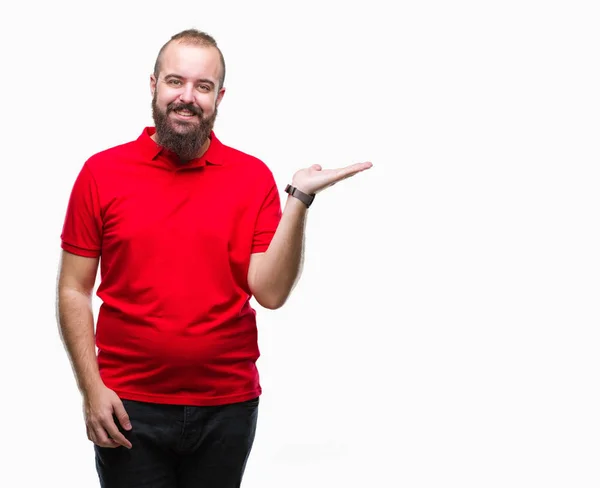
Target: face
{"points": [[185, 98]]}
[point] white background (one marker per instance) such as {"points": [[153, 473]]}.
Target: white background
{"points": [[445, 331]]}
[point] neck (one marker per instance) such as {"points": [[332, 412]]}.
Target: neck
{"points": [[204, 147]]}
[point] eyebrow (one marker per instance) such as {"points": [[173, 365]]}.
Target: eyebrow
{"points": [[201, 80]]}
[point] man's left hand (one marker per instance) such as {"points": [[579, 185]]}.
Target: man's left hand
{"points": [[315, 179]]}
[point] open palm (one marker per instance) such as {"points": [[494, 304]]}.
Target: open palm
{"points": [[314, 179]]}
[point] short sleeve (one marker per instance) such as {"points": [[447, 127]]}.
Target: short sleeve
{"points": [[82, 229], [267, 220]]}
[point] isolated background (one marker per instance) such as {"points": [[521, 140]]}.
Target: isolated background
{"points": [[445, 331]]}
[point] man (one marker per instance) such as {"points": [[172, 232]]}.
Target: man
{"points": [[185, 230]]}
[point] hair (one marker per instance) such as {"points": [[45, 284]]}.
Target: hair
{"points": [[196, 38]]}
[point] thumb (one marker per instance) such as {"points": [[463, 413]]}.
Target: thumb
{"points": [[318, 167], [121, 415]]}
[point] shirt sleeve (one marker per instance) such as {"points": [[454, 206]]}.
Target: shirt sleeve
{"points": [[82, 229], [267, 220]]}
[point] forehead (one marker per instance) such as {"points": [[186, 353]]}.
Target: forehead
{"points": [[191, 61]]}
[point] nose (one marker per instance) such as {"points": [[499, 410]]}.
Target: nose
{"points": [[187, 94]]}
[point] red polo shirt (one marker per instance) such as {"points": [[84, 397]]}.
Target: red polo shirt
{"points": [[175, 325]]}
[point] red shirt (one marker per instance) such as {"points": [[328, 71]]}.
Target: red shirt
{"points": [[175, 325]]}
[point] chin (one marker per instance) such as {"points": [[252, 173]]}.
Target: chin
{"points": [[182, 126]]}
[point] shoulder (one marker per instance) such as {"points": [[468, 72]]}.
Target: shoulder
{"points": [[244, 162], [108, 157]]}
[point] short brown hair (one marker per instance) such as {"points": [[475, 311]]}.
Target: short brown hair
{"points": [[196, 38]]}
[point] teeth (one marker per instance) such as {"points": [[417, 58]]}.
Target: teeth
{"points": [[184, 112]]}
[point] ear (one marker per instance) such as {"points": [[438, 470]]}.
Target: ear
{"points": [[220, 96], [152, 84]]}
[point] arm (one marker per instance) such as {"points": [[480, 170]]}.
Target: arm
{"points": [[76, 322], [272, 275]]}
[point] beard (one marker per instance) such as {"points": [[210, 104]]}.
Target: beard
{"points": [[183, 138]]}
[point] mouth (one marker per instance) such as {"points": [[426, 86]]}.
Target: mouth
{"points": [[184, 114]]}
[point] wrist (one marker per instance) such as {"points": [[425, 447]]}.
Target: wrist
{"points": [[299, 194], [294, 206], [88, 386]]}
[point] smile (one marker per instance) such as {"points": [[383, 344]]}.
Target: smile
{"points": [[185, 114]]}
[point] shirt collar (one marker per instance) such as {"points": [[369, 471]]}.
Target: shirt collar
{"points": [[151, 150]]}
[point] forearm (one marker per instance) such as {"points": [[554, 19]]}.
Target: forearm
{"points": [[281, 265], [76, 322]]}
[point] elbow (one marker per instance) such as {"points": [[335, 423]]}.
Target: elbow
{"points": [[271, 301], [268, 292]]}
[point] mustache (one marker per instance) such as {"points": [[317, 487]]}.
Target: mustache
{"points": [[185, 106]]}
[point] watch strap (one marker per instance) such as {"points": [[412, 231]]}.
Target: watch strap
{"points": [[300, 195]]}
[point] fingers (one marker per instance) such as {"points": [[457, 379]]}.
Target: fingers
{"points": [[114, 433], [353, 169], [122, 416], [98, 436], [104, 431], [315, 179], [108, 443], [349, 171]]}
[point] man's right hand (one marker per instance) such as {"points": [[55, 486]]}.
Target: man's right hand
{"points": [[100, 405]]}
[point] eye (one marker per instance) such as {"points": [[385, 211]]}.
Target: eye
{"points": [[174, 82], [204, 88]]}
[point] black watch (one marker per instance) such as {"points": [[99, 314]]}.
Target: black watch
{"points": [[300, 195]]}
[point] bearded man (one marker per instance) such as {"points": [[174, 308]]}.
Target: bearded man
{"points": [[185, 230]]}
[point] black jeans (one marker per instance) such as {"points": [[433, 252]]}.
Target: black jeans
{"points": [[181, 447]]}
